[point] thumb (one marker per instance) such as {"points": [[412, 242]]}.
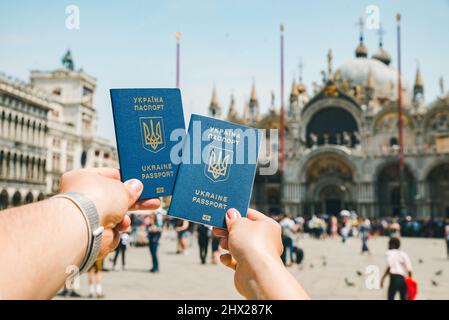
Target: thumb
{"points": [[134, 188], [232, 216]]}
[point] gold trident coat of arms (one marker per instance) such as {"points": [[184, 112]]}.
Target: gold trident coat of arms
{"points": [[217, 168], [152, 133]]}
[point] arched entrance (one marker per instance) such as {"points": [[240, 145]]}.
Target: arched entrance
{"points": [[4, 200], [332, 125], [16, 199], [29, 197], [332, 198], [438, 182], [388, 189], [329, 180]]}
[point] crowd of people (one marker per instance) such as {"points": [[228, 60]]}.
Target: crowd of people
{"points": [[350, 224], [146, 229]]}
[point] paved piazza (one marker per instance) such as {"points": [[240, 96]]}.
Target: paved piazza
{"points": [[326, 265]]}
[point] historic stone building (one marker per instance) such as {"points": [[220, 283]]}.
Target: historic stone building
{"points": [[47, 127], [342, 147]]}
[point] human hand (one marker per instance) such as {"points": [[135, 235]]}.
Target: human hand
{"points": [[254, 244], [111, 197]]}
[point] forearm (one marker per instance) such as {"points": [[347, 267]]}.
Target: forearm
{"points": [[269, 279], [37, 244]]}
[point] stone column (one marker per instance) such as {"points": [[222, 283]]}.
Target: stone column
{"points": [[423, 203]]}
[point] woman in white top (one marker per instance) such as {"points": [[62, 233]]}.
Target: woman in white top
{"points": [[399, 266]]}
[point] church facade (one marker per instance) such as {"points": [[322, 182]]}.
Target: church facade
{"points": [[342, 146], [47, 127]]}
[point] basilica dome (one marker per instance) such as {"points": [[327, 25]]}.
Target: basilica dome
{"points": [[383, 77]]}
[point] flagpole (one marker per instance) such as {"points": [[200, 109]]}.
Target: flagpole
{"points": [[400, 120], [178, 48], [282, 124]]}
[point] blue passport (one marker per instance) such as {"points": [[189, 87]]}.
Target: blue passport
{"points": [[149, 129], [219, 160]]}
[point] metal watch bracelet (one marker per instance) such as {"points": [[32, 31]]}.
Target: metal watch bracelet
{"points": [[94, 230]]}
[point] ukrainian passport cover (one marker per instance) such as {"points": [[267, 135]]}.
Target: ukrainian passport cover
{"points": [[145, 121], [219, 161]]}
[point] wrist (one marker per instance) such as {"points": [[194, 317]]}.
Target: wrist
{"points": [[72, 215], [88, 211]]}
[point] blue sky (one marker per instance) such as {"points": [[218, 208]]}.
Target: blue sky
{"points": [[229, 43]]}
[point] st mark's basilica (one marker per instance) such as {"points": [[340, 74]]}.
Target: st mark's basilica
{"points": [[342, 148]]}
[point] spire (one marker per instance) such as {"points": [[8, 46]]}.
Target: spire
{"points": [[214, 107], [418, 79], [418, 91], [329, 64], [361, 51], [369, 89], [232, 112], [253, 105], [232, 103], [294, 91], [67, 60], [253, 92], [213, 100], [301, 87], [370, 80], [382, 55]]}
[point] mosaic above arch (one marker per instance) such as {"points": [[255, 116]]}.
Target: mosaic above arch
{"points": [[388, 122]]}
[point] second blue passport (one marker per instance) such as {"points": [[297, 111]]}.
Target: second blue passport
{"points": [[217, 171], [149, 123]]}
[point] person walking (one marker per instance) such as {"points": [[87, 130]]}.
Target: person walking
{"points": [[394, 229], [203, 241], [399, 266], [182, 230], [365, 229], [154, 231], [94, 279], [288, 228], [345, 225], [124, 240], [333, 227]]}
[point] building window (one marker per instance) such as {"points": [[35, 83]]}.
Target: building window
{"points": [[55, 185], [69, 163], [70, 146], [56, 142], [29, 198], [16, 199], [56, 162], [87, 91], [4, 200]]}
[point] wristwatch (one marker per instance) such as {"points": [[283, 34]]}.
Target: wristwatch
{"points": [[94, 230]]}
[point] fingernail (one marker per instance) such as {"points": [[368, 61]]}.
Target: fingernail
{"points": [[135, 185], [232, 213]]}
